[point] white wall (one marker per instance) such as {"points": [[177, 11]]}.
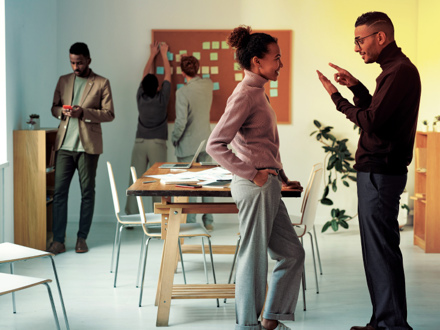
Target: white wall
{"points": [[31, 52], [118, 34]]}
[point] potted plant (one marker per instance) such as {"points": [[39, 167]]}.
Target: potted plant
{"points": [[425, 122], [34, 121], [337, 168], [435, 127]]}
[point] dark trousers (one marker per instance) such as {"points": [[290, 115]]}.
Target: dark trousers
{"points": [[379, 197], [66, 164]]}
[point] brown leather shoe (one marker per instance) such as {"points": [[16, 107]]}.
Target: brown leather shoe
{"points": [[56, 248], [367, 327], [81, 246]]}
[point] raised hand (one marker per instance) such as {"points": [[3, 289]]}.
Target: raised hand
{"points": [[343, 77], [329, 87]]}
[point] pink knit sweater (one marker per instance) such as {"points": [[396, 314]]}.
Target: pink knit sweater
{"points": [[249, 124]]}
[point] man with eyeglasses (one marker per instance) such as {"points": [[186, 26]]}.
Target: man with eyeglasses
{"points": [[388, 121]]}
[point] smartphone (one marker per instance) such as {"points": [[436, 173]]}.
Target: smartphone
{"points": [[67, 107]]}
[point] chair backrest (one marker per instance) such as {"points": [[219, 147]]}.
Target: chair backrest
{"points": [[113, 188], [307, 188], [311, 198], [139, 199]]}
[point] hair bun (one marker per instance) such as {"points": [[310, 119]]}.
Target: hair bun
{"points": [[239, 37]]}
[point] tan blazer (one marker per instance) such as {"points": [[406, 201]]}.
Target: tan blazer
{"points": [[97, 104]]}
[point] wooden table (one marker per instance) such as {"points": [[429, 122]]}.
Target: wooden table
{"points": [[174, 207]]}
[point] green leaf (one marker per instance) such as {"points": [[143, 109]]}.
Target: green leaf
{"points": [[345, 183], [326, 201], [325, 227], [318, 136], [333, 213], [352, 178], [326, 191], [313, 133], [335, 225], [334, 187], [343, 223], [317, 123]]}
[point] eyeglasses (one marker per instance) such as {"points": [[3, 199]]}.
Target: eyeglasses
{"points": [[360, 41]]}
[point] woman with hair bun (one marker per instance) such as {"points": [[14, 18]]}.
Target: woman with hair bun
{"points": [[249, 125]]}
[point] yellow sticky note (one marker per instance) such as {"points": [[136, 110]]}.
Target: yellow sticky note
{"points": [[238, 76], [214, 69], [225, 45], [198, 71], [179, 70], [215, 45], [178, 57], [196, 55], [181, 52], [205, 69], [237, 67], [206, 45], [213, 56], [172, 70]]}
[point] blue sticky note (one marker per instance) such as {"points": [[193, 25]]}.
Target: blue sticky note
{"points": [[160, 70], [216, 86], [170, 56], [179, 85], [273, 92], [205, 76]]}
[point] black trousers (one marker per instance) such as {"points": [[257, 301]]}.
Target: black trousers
{"points": [[379, 196], [67, 162]]}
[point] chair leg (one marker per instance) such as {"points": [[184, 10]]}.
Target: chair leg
{"points": [[59, 292], [304, 289], [314, 263], [114, 245], [117, 255], [57, 323], [233, 262], [14, 310], [304, 280], [181, 262], [212, 265], [140, 259], [317, 249], [204, 261], [143, 270]]}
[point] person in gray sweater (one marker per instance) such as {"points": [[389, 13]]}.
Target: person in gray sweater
{"points": [[192, 126], [249, 124]]}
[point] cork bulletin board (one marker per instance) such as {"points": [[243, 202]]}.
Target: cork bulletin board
{"points": [[217, 63]]}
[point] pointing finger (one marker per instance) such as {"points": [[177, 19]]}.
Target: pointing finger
{"points": [[334, 66]]}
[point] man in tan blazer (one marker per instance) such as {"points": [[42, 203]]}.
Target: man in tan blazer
{"points": [[79, 141]]}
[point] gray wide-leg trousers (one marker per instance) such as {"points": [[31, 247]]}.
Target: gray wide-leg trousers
{"points": [[265, 226]]}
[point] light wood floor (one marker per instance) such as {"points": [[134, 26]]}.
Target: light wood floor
{"points": [[92, 302]]}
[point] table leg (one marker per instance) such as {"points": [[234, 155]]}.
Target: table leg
{"points": [[168, 263]]}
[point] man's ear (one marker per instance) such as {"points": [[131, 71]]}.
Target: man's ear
{"points": [[382, 37], [89, 61]]}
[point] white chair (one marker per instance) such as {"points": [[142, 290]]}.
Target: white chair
{"points": [[10, 283], [305, 223], [123, 221], [297, 218], [187, 230], [11, 253]]}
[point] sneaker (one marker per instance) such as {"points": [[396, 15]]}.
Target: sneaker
{"points": [[56, 248], [209, 227]]}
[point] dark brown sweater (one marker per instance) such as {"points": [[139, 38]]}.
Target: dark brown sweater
{"points": [[388, 119]]}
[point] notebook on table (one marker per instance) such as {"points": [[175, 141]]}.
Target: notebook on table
{"points": [[186, 165]]}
